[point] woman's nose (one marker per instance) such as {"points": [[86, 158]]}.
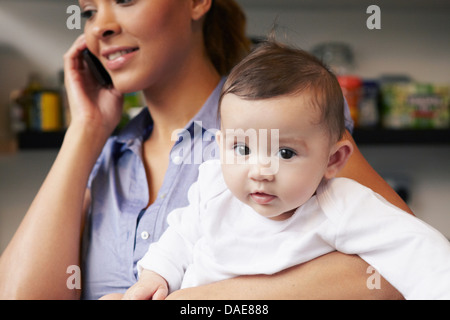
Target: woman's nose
{"points": [[105, 24]]}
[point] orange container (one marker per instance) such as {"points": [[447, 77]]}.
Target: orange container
{"points": [[351, 88]]}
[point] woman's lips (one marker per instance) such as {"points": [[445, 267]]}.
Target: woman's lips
{"points": [[118, 57], [262, 198]]}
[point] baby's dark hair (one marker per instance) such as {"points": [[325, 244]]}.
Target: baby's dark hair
{"points": [[274, 69]]}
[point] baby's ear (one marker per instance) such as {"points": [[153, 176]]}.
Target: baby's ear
{"points": [[339, 156]]}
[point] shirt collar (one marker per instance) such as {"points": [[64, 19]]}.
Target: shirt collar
{"points": [[208, 113], [141, 125]]}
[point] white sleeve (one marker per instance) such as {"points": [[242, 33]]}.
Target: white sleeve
{"points": [[172, 254], [408, 253]]}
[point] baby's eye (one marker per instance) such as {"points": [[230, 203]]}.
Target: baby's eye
{"points": [[241, 150], [286, 154]]}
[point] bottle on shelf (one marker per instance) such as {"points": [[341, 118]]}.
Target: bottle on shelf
{"points": [[339, 58]]}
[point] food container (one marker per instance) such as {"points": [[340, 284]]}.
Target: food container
{"points": [[415, 106], [351, 88], [45, 113], [369, 115]]}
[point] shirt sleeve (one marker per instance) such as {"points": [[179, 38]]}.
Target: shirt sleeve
{"points": [[408, 253]]}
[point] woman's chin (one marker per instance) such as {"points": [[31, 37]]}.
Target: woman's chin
{"points": [[125, 87]]}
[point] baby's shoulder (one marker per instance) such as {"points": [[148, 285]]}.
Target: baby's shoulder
{"points": [[210, 178]]}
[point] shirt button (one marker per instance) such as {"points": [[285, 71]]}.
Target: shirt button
{"points": [[177, 160], [144, 235]]}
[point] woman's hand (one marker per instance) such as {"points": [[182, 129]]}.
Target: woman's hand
{"points": [[90, 104]]}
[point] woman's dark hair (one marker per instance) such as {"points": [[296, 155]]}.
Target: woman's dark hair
{"points": [[225, 35]]}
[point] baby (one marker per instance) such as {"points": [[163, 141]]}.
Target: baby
{"points": [[272, 202]]}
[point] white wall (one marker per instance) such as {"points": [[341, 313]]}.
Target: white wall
{"points": [[410, 41], [36, 31]]}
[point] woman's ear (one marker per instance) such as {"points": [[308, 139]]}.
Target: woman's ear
{"points": [[199, 8], [339, 156]]}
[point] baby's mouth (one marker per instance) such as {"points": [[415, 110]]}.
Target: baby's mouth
{"points": [[262, 198]]}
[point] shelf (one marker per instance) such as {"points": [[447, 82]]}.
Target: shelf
{"points": [[53, 140], [408, 137], [40, 140]]}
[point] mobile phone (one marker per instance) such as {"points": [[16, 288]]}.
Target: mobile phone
{"points": [[97, 69]]}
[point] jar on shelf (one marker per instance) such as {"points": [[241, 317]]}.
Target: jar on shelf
{"points": [[338, 56], [369, 113], [351, 88]]}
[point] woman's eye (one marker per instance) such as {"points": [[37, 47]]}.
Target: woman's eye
{"points": [[124, 1], [241, 150], [286, 154], [87, 14]]}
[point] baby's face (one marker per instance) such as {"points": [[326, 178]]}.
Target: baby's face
{"points": [[274, 152]]}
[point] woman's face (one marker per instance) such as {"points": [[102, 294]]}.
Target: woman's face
{"points": [[140, 42]]}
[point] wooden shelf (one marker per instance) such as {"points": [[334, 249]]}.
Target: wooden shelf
{"points": [[53, 140]]}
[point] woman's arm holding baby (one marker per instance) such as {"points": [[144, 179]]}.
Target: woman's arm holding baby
{"points": [[332, 276]]}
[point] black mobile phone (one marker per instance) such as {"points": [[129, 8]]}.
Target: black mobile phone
{"points": [[97, 69]]}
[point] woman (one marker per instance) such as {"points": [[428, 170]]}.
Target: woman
{"points": [[176, 52]]}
